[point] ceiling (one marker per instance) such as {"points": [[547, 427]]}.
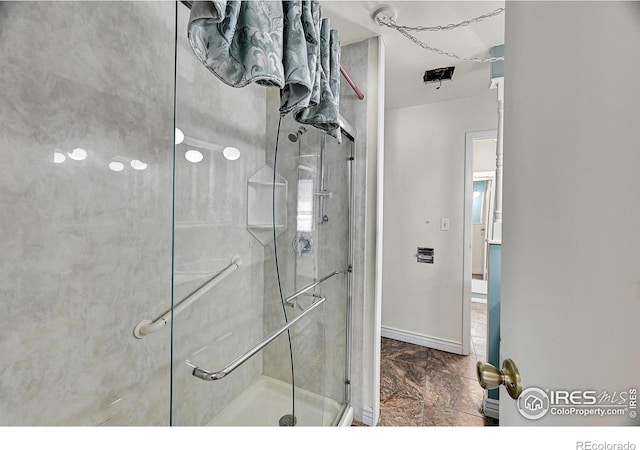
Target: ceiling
{"points": [[406, 62]]}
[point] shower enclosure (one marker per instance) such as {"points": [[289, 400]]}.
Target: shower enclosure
{"points": [[200, 276], [283, 209]]}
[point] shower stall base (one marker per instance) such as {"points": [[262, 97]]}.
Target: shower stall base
{"points": [[267, 400]]}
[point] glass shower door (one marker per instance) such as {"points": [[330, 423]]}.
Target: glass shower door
{"points": [[314, 247], [249, 236], [219, 146], [86, 114]]}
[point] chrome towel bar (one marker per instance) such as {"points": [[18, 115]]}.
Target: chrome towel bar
{"points": [[307, 288], [146, 326], [233, 365]]}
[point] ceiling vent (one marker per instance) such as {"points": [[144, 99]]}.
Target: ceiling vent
{"points": [[438, 75]]}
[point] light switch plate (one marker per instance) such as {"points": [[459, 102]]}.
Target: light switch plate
{"points": [[444, 224]]}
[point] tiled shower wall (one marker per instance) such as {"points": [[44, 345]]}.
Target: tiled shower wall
{"points": [[86, 251]]}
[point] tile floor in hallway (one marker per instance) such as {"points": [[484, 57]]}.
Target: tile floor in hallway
{"points": [[420, 386]]}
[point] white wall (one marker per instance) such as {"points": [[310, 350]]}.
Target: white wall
{"points": [[424, 173], [571, 224], [484, 155]]}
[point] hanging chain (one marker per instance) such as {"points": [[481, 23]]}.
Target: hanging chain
{"points": [[404, 30], [392, 23], [444, 53]]}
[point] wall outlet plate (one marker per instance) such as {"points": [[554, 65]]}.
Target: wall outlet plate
{"points": [[444, 224]]}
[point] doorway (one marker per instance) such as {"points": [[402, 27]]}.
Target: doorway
{"points": [[484, 174], [480, 168]]}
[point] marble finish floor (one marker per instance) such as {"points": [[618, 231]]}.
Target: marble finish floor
{"points": [[420, 386]]}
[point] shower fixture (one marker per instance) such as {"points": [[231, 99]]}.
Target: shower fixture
{"points": [[302, 244], [288, 420], [294, 137]]}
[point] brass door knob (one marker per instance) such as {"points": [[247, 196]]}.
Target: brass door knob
{"points": [[490, 377]]}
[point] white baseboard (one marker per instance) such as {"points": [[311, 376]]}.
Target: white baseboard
{"points": [[445, 345], [367, 416], [491, 408]]}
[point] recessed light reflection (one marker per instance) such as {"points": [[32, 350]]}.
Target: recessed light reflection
{"points": [[138, 165], [116, 166], [179, 136], [58, 157], [193, 156], [78, 154], [231, 153]]}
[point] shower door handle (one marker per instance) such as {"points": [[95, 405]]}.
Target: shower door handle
{"points": [[211, 376], [207, 375]]}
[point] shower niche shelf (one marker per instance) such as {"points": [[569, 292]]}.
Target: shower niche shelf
{"points": [[260, 204]]}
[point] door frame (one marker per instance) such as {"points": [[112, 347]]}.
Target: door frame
{"points": [[470, 136]]}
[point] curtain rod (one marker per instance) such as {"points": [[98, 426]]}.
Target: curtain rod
{"points": [[355, 88], [343, 71]]}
